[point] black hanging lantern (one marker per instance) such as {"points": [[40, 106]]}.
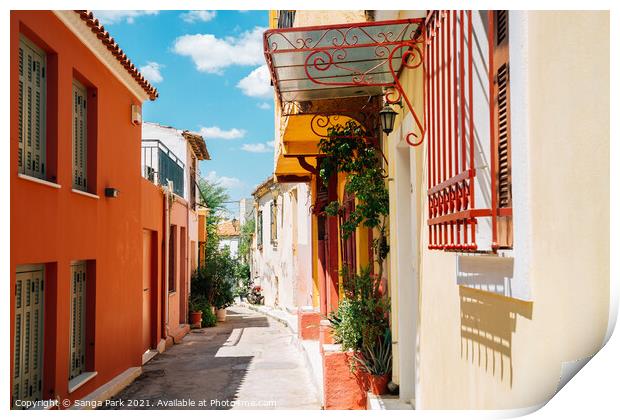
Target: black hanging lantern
{"points": [[388, 115]]}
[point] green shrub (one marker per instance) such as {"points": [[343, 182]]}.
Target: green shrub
{"points": [[208, 318], [361, 320]]}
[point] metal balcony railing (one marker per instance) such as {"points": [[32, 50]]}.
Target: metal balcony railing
{"points": [[160, 165]]}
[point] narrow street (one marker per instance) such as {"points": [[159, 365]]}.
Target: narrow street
{"points": [[248, 362]]}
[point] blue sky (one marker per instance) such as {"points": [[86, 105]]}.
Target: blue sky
{"points": [[208, 67]]}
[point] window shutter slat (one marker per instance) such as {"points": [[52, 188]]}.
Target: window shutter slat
{"points": [[79, 136], [501, 126], [28, 338], [31, 113], [77, 355]]}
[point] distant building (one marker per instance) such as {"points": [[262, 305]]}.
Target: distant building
{"points": [[281, 256], [229, 234], [170, 223]]}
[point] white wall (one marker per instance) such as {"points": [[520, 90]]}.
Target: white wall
{"points": [[284, 269], [232, 243]]}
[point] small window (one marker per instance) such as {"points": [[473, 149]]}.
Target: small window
{"points": [[80, 137], [259, 229], [31, 109], [77, 345], [274, 223]]}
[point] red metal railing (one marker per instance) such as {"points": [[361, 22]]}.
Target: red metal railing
{"points": [[449, 111]]}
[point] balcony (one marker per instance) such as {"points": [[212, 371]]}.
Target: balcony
{"points": [[160, 165]]}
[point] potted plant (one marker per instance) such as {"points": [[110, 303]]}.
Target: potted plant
{"points": [[195, 312], [376, 361], [223, 298]]}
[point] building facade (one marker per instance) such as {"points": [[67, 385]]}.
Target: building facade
{"points": [[485, 207], [76, 263], [170, 231], [229, 234], [281, 251]]}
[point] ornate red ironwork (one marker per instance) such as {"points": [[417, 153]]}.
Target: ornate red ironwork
{"points": [[452, 211], [388, 45]]}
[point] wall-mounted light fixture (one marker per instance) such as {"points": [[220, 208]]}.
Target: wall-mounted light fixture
{"points": [[136, 115], [111, 192], [388, 116]]}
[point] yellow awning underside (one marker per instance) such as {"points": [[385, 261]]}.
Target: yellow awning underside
{"points": [[300, 140]]}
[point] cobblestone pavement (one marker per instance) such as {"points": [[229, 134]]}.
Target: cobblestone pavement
{"points": [[248, 362]]}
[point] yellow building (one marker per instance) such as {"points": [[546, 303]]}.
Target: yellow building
{"points": [[498, 174]]}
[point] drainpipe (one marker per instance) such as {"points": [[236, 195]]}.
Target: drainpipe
{"points": [[188, 269], [167, 191]]}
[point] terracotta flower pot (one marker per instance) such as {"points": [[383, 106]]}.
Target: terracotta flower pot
{"points": [[195, 318], [221, 315], [378, 384]]}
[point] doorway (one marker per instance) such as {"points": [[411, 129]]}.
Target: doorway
{"points": [[149, 265]]}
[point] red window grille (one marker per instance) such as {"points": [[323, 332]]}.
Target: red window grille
{"points": [[449, 115]]}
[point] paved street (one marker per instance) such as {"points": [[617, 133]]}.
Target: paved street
{"points": [[249, 359]]}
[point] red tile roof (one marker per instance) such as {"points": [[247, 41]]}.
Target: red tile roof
{"points": [[228, 228], [113, 47]]}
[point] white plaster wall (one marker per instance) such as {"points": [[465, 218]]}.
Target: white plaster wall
{"points": [[284, 270], [232, 243]]}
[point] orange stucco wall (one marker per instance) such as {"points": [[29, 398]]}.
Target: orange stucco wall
{"points": [[56, 226], [153, 219]]}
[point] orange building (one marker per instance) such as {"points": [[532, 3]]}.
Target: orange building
{"points": [[76, 222]]}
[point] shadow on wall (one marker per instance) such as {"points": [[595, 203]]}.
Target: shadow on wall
{"points": [[206, 366], [488, 322]]}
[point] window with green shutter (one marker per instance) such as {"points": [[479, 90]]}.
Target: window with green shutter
{"points": [[31, 113], [80, 134], [77, 344], [28, 338]]}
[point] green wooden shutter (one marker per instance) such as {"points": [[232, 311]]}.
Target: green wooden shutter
{"points": [[77, 344], [32, 100], [79, 136], [28, 344]]}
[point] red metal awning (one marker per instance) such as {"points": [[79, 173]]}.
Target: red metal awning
{"points": [[339, 61]]}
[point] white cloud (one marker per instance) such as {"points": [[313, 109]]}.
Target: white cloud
{"points": [[258, 147], [152, 72], [198, 15], [224, 181], [271, 143], [212, 54], [109, 17], [217, 133], [263, 105], [257, 83]]}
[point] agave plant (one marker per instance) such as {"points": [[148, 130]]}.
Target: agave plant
{"points": [[376, 360]]}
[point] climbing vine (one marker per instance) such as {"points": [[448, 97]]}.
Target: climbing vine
{"points": [[361, 321], [348, 150]]}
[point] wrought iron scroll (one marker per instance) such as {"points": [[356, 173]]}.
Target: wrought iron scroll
{"points": [[329, 47]]}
